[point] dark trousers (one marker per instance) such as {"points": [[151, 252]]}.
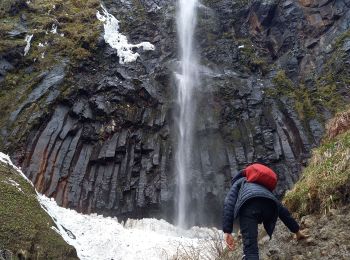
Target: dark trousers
{"points": [[254, 212]]}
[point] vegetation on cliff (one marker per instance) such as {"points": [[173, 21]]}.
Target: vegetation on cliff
{"points": [[325, 183], [25, 228], [62, 31], [323, 90]]}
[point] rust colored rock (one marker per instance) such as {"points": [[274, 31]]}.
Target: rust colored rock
{"points": [[308, 3], [255, 24], [316, 20]]}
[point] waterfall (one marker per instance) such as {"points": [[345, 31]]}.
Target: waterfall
{"points": [[187, 80]]}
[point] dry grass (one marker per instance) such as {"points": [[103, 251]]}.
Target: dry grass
{"points": [[325, 183], [209, 249], [338, 125]]}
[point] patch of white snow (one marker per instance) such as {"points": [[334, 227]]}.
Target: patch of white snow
{"points": [[28, 40], [54, 29], [118, 41], [98, 237]]}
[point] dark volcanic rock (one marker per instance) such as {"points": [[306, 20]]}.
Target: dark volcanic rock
{"points": [[108, 145]]}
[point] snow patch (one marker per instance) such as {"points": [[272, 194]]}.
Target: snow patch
{"points": [[240, 46], [28, 40], [98, 237], [13, 183], [118, 41], [54, 29]]}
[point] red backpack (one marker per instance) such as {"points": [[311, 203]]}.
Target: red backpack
{"points": [[262, 175]]}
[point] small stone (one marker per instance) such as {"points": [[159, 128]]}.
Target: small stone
{"points": [[307, 222], [274, 252], [310, 241], [264, 240]]}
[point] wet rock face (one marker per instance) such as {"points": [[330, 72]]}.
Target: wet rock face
{"points": [[108, 145]]}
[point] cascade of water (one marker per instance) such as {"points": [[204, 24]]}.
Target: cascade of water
{"points": [[187, 80]]}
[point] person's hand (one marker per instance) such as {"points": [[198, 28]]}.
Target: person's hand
{"points": [[230, 242], [301, 235]]}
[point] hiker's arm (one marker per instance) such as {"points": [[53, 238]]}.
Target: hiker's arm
{"points": [[229, 208], [287, 219]]}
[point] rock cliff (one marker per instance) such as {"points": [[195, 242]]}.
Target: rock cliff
{"points": [[99, 136]]}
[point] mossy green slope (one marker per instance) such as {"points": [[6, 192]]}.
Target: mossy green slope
{"points": [[325, 183], [25, 228]]}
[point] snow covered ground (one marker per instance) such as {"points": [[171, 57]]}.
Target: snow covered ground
{"points": [[97, 237]]}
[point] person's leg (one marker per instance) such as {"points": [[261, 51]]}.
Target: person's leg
{"points": [[248, 220]]}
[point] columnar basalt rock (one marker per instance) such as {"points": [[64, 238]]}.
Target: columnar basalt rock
{"points": [[106, 142]]}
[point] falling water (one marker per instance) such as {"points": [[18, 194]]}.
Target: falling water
{"points": [[187, 80]]}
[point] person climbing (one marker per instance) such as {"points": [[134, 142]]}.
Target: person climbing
{"points": [[250, 202]]}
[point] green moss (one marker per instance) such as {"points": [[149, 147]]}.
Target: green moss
{"points": [[306, 102], [282, 82], [139, 8], [25, 227], [251, 58], [78, 30], [328, 87], [335, 77], [341, 39], [325, 182], [236, 134]]}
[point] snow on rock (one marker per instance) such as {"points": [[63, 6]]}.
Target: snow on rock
{"points": [[54, 29], [118, 41], [101, 238], [28, 40], [4, 158]]}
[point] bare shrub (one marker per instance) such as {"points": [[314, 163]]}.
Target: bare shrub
{"points": [[207, 249], [339, 124]]}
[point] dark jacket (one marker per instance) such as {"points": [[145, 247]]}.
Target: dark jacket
{"points": [[240, 192]]}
